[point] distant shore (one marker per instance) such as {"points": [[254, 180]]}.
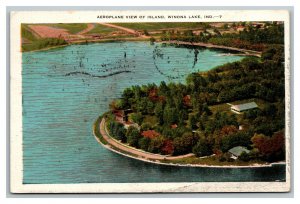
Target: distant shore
{"points": [[209, 45], [242, 52], [89, 41], [111, 147]]}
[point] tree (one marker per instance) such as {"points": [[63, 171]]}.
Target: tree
{"points": [[127, 97], [152, 41], [202, 148], [193, 122], [244, 157], [167, 147], [144, 143], [184, 144], [116, 105], [146, 32], [270, 148], [170, 115], [156, 144], [133, 136], [136, 117], [117, 130], [159, 112], [241, 138], [146, 126]]}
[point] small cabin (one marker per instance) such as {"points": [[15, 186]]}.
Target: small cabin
{"points": [[237, 151], [243, 107]]}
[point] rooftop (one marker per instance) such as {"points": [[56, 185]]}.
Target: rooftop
{"points": [[237, 151], [245, 106]]}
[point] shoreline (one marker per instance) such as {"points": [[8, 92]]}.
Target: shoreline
{"points": [[90, 41], [108, 146], [213, 46], [243, 52]]}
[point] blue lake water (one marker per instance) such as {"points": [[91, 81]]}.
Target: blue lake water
{"points": [[66, 89]]}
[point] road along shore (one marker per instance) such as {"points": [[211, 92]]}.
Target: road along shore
{"points": [[133, 153]]}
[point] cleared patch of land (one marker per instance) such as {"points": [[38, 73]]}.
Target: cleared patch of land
{"points": [[101, 29], [72, 28], [44, 31]]}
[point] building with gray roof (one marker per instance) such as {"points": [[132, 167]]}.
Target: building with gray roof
{"points": [[237, 151], [243, 107]]}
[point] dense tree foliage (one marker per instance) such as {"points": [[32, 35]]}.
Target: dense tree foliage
{"points": [[189, 117], [251, 37]]}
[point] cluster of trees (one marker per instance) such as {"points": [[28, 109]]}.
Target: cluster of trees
{"points": [[185, 121], [253, 38], [43, 43], [187, 36]]}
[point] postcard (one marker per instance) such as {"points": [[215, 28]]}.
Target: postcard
{"points": [[150, 101]]}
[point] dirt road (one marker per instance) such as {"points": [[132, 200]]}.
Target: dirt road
{"points": [[128, 30], [90, 27], [131, 150]]}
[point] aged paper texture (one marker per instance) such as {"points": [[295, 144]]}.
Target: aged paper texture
{"points": [[150, 101]]}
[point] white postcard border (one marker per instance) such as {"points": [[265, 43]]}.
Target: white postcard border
{"points": [[16, 153]]}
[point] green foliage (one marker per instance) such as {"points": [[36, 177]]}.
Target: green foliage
{"points": [[26, 33], [133, 136], [117, 131], [136, 117], [96, 129], [146, 32], [241, 138], [184, 144], [146, 126], [244, 157], [162, 25], [159, 112], [156, 144], [274, 53], [226, 157], [250, 38], [144, 143], [200, 105], [43, 43], [101, 29], [72, 28], [202, 148], [152, 40], [170, 115]]}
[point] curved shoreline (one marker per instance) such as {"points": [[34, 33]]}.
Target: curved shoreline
{"points": [[108, 146], [213, 46], [244, 52]]}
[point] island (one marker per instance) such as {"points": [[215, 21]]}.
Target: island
{"points": [[230, 116]]}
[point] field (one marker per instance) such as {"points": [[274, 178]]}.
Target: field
{"points": [[44, 31], [27, 34], [71, 28], [101, 29]]}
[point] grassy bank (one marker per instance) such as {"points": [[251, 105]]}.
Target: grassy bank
{"points": [[214, 161], [96, 129], [72, 28], [101, 29], [43, 43]]}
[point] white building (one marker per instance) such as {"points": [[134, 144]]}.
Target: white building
{"points": [[243, 107]]}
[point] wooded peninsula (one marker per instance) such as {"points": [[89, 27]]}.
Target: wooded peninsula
{"points": [[232, 114]]}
